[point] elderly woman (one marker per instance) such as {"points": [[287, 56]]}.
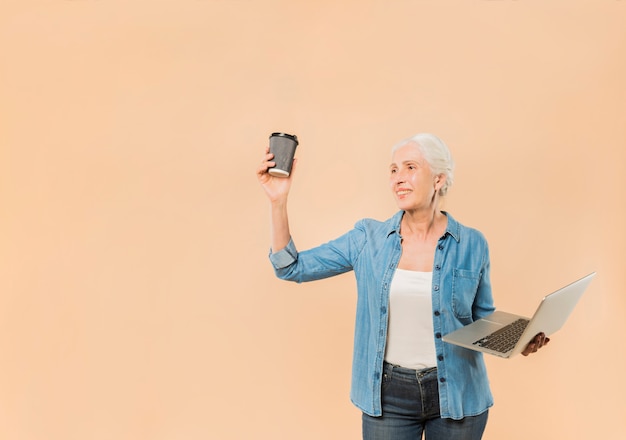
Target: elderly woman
{"points": [[420, 275]]}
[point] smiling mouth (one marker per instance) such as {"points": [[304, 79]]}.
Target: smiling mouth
{"points": [[403, 192]]}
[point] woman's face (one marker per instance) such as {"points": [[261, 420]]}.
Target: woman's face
{"points": [[412, 182]]}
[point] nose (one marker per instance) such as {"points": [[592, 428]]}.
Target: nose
{"points": [[398, 177]]}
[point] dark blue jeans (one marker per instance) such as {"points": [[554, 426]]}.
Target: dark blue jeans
{"points": [[410, 400]]}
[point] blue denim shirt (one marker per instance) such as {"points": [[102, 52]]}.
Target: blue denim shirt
{"points": [[461, 293]]}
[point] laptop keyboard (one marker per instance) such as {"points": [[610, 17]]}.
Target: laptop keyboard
{"points": [[504, 339]]}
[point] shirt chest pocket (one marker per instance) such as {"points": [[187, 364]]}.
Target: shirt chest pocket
{"points": [[464, 288]]}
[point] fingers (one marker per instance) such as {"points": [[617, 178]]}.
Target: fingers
{"points": [[540, 340], [532, 345], [267, 180], [266, 163]]}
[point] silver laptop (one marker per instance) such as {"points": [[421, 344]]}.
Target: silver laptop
{"points": [[505, 334]]}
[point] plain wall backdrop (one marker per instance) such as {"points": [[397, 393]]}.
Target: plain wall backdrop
{"points": [[136, 297]]}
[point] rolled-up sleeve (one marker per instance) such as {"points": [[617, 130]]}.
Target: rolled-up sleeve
{"points": [[284, 257]]}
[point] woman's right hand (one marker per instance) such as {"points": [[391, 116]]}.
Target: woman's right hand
{"points": [[276, 188]]}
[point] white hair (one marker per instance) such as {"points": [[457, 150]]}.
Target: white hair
{"points": [[436, 153]]}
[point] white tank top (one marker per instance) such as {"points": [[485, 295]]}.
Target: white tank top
{"points": [[410, 341]]}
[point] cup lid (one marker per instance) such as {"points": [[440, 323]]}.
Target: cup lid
{"points": [[293, 137]]}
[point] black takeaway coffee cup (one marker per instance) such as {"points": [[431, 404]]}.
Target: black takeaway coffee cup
{"points": [[283, 147]]}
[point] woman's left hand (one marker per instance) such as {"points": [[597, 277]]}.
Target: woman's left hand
{"points": [[536, 343]]}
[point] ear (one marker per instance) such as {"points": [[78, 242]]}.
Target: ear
{"points": [[440, 180]]}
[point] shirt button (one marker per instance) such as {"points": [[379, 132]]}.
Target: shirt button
{"points": [[440, 357], [440, 247], [438, 335], [436, 288], [437, 267], [437, 313], [383, 310], [442, 379]]}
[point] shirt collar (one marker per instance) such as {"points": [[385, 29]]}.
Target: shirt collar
{"points": [[453, 229], [394, 223]]}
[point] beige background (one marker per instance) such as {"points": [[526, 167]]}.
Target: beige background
{"points": [[136, 298]]}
